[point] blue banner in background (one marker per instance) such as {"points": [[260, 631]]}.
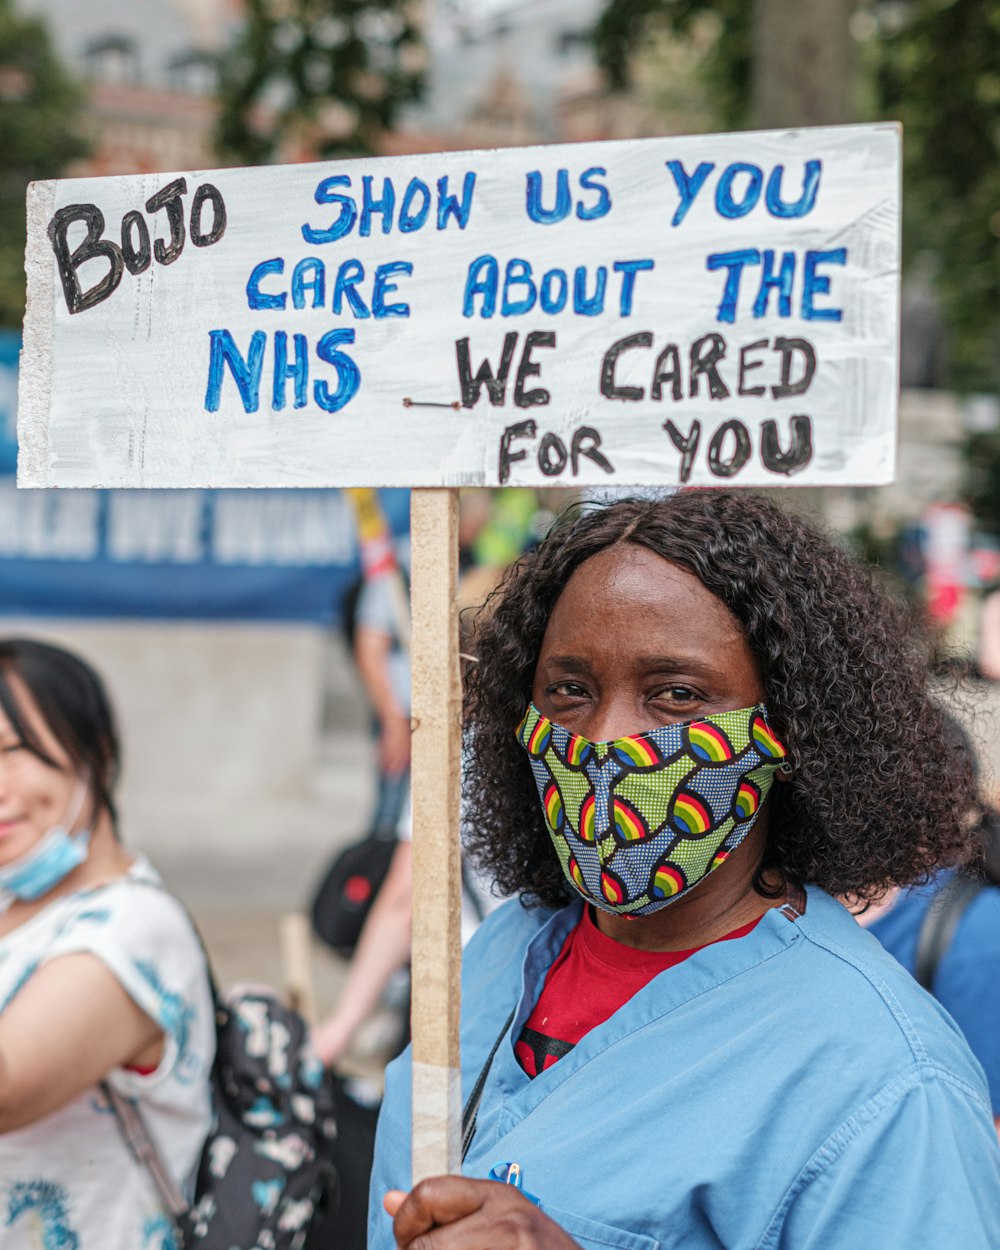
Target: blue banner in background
{"points": [[264, 555]]}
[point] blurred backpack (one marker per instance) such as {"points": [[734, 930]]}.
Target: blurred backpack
{"points": [[266, 1169], [347, 891], [952, 901]]}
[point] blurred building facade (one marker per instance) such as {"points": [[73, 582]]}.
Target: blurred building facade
{"points": [[150, 71]]}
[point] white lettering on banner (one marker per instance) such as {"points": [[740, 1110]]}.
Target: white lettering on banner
{"points": [[696, 309], [290, 528], [149, 528], [51, 525]]}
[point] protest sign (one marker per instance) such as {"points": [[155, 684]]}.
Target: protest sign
{"points": [[717, 309]]}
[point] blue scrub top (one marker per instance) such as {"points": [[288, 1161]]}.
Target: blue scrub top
{"points": [[790, 1090], [967, 983]]}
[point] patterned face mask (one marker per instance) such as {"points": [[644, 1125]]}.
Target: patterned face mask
{"points": [[639, 821]]}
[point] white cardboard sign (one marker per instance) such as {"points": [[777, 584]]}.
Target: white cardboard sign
{"points": [[707, 309]]}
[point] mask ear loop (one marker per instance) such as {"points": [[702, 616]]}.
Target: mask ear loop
{"points": [[75, 805]]}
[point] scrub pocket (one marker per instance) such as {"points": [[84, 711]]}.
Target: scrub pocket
{"points": [[593, 1235]]}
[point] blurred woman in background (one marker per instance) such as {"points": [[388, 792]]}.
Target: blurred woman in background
{"points": [[103, 983]]}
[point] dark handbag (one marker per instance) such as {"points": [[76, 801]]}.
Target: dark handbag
{"points": [[346, 893]]}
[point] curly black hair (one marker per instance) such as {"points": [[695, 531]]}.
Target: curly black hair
{"points": [[879, 795]]}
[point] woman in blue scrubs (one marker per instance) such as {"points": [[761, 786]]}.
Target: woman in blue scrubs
{"points": [[692, 723]]}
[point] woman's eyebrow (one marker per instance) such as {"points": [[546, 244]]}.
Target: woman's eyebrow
{"points": [[565, 663], [689, 664]]}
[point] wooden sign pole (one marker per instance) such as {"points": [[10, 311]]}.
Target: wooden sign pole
{"points": [[437, 873]]}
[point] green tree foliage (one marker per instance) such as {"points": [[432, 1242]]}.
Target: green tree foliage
{"points": [[625, 26], [39, 106], [982, 480], [324, 76], [938, 71], [934, 65]]}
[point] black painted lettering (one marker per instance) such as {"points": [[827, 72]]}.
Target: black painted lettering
{"points": [[747, 365], [207, 192], [530, 369], [169, 197], [686, 444], [521, 429], [586, 442], [800, 450], [668, 369], [609, 387], [93, 246], [705, 356], [137, 250], [496, 386], [741, 449], [789, 348], [552, 455]]}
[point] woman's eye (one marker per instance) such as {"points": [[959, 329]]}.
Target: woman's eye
{"points": [[568, 689], [677, 694]]}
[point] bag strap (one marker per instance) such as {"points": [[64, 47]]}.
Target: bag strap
{"points": [[940, 923], [145, 1151], [471, 1107]]}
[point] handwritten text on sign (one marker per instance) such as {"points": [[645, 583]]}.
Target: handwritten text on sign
{"points": [[701, 309]]}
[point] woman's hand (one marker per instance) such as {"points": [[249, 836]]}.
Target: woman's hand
{"points": [[331, 1038], [456, 1213]]}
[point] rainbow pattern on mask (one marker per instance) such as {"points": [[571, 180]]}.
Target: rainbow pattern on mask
{"points": [[639, 820], [637, 752], [709, 743]]}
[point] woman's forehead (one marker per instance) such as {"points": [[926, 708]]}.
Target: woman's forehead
{"points": [[628, 580]]}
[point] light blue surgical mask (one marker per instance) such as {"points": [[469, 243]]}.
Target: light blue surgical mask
{"points": [[49, 861]]}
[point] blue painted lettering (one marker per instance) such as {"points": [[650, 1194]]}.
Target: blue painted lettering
{"points": [[383, 287], [781, 282], [385, 206], [299, 370], [589, 305], [342, 225], [688, 186], [309, 275], [590, 212], [628, 270], [563, 203], [819, 284], [482, 279], [553, 291], [778, 207], [408, 219], [256, 298], [734, 262], [348, 373], [448, 205], [246, 373], [350, 274], [517, 273], [725, 204]]}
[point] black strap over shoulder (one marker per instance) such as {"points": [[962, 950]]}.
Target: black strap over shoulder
{"points": [[472, 1105], [940, 923]]}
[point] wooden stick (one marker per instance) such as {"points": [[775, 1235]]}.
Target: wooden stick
{"points": [[295, 940], [437, 875]]}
